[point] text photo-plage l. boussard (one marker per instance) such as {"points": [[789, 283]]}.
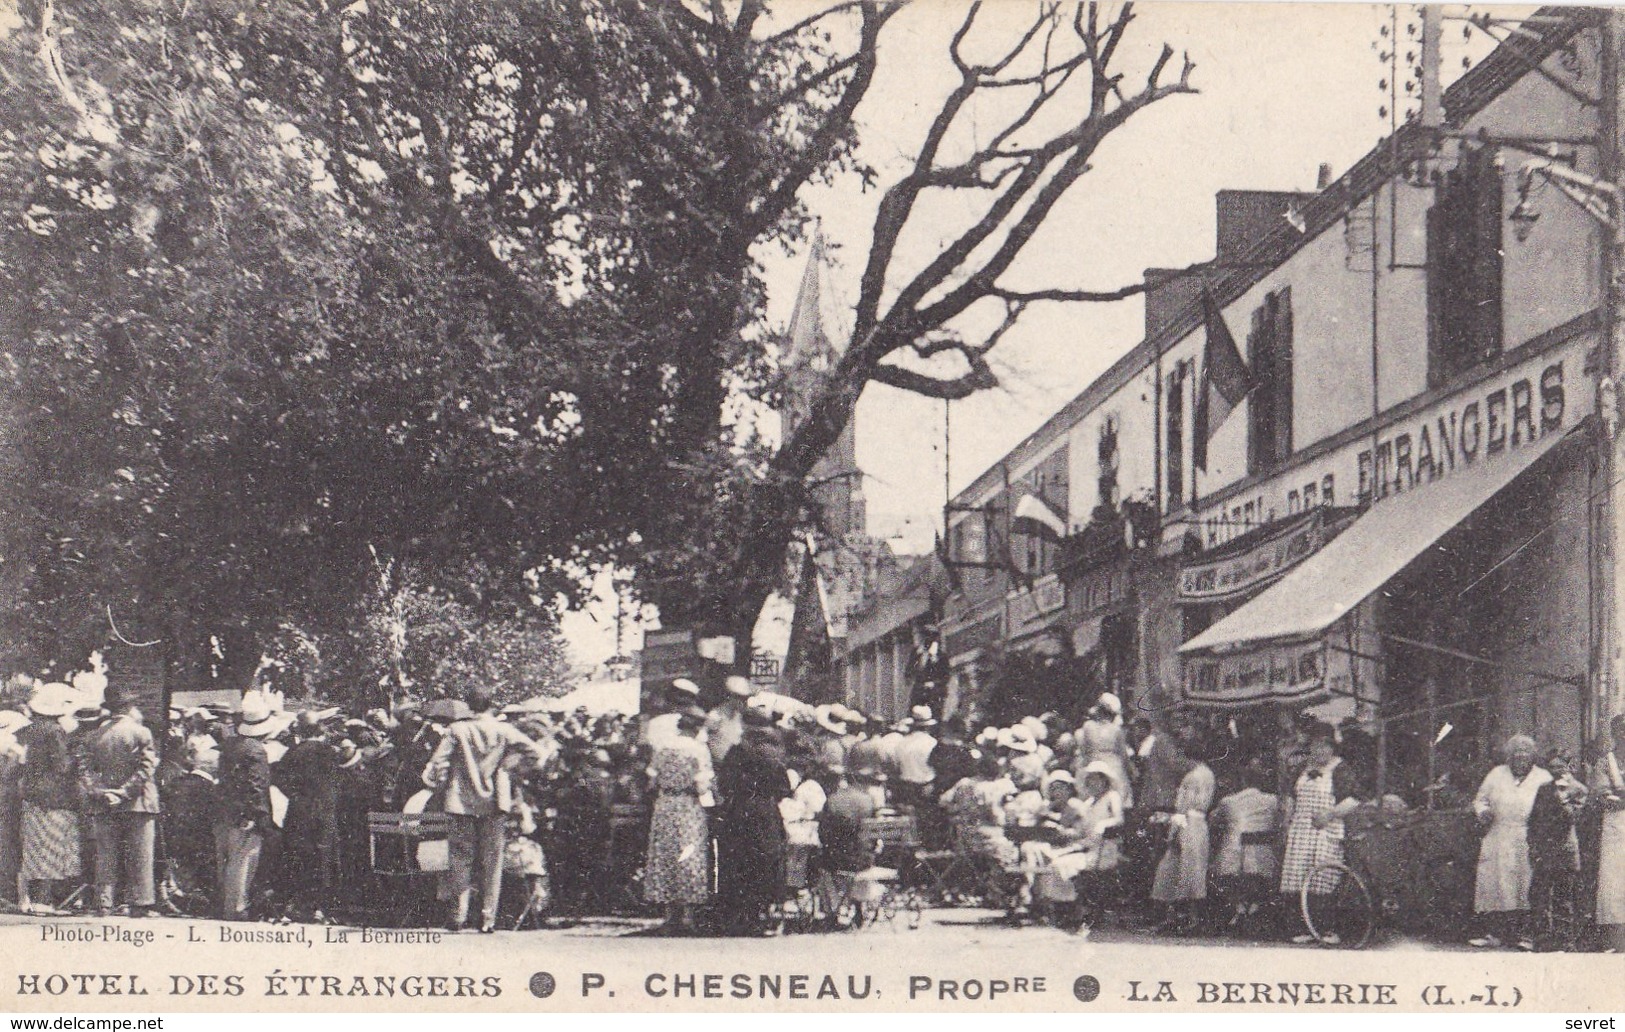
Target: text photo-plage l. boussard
{"points": [[806, 506]]}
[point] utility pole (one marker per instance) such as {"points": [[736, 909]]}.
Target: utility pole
{"points": [[1610, 675]]}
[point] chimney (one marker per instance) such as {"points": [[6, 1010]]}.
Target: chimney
{"points": [[1247, 216], [1324, 179]]}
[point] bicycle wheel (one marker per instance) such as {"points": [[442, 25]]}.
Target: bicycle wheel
{"points": [[1345, 916]]}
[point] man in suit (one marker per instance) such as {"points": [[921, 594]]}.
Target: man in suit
{"points": [[121, 778], [245, 806], [469, 765]]}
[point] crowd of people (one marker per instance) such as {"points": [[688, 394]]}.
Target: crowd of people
{"points": [[742, 800]]}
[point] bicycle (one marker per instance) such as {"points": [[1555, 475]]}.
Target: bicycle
{"points": [[1414, 869]]}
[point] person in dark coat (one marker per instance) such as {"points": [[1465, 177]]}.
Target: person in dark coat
{"points": [[1554, 856], [580, 842], [188, 823], [121, 786], [361, 790], [751, 779], [308, 774], [244, 808]]}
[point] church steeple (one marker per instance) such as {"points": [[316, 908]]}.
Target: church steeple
{"points": [[836, 481]]}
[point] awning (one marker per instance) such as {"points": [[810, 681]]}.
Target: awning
{"points": [[1302, 605]]}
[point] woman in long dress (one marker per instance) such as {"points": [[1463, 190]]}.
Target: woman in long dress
{"points": [[678, 863], [50, 797], [1610, 783], [1181, 880], [1102, 740], [1504, 801], [1323, 793]]}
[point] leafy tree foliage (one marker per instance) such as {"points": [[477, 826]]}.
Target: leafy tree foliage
{"points": [[466, 285]]}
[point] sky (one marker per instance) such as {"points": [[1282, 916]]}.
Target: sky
{"points": [[1284, 88]]}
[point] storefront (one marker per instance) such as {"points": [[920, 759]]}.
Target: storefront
{"points": [[1451, 612]]}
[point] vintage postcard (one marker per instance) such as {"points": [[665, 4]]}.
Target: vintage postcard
{"points": [[811, 506]]}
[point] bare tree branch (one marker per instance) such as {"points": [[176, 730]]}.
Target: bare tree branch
{"points": [[1055, 294], [795, 30], [980, 378]]}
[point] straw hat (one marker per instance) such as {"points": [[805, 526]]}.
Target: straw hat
{"points": [[53, 700], [1110, 703], [11, 722], [256, 720], [922, 717], [1017, 739]]}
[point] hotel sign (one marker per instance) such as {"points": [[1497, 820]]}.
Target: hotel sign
{"points": [[1291, 673], [1501, 413], [1229, 576]]}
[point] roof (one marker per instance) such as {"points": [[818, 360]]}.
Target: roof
{"points": [[1467, 96]]}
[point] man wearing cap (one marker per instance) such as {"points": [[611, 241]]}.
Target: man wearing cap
{"points": [[188, 821], [469, 765], [121, 785], [245, 805]]}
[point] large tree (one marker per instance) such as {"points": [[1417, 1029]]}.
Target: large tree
{"points": [[465, 285], [472, 286], [1012, 138]]}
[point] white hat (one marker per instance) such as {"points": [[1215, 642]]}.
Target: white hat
{"points": [[1017, 739], [1100, 767], [738, 686], [987, 736], [921, 716], [829, 720], [1039, 730], [54, 700], [1061, 776], [687, 687], [257, 718], [1110, 703], [11, 721]]}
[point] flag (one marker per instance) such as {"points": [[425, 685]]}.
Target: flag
{"points": [[1032, 516], [1225, 380]]}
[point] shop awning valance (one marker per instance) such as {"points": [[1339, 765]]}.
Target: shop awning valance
{"points": [[1323, 588]]}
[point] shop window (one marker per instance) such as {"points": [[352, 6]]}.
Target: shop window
{"points": [[1269, 406], [1464, 268], [1174, 439]]}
